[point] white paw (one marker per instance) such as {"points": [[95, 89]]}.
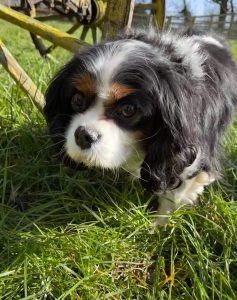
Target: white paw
{"points": [[161, 220]]}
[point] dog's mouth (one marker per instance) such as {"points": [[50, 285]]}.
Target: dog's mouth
{"points": [[104, 156], [97, 156]]}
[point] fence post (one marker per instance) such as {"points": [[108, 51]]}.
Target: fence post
{"points": [[169, 22], [193, 21], [210, 23], [160, 12], [231, 25]]}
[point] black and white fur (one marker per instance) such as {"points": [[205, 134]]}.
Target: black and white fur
{"points": [[184, 90]]}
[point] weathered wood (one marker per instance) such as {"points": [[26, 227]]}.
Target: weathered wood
{"points": [[141, 6], [232, 21], [160, 13], [159, 7], [45, 31], [130, 16], [193, 20], [210, 23], [70, 31], [100, 11], [156, 8], [169, 22], [20, 76], [116, 17], [207, 23]]}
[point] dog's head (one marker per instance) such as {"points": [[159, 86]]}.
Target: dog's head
{"points": [[120, 105]]}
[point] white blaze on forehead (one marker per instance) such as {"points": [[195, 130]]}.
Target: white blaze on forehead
{"points": [[107, 72], [107, 64]]}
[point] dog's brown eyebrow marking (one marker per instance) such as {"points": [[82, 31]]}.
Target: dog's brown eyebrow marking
{"points": [[85, 84], [118, 91]]}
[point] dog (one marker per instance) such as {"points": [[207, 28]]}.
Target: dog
{"points": [[154, 104]]}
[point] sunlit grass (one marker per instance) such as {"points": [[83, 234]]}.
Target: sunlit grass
{"points": [[87, 236]]}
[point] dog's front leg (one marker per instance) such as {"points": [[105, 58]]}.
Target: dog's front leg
{"points": [[185, 195]]}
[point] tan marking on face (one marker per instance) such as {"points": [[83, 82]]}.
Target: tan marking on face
{"points": [[116, 92], [138, 135], [85, 84]]}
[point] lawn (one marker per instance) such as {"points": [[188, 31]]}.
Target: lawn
{"points": [[87, 235]]}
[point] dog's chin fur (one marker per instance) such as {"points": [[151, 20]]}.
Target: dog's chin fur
{"points": [[184, 94]]}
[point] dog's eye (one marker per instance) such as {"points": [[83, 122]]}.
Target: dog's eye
{"points": [[127, 110], [78, 102]]}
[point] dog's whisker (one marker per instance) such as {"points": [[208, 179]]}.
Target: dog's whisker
{"points": [[149, 137], [149, 168], [133, 175]]}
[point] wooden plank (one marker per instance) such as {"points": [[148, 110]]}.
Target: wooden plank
{"points": [[207, 16], [20, 77], [160, 13], [141, 6], [117, 15], [47, 32], [169, 23], [231, 26], [193, 21], [159, 7]]}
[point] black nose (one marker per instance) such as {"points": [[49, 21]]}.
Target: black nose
{"points": [[85, 137]]}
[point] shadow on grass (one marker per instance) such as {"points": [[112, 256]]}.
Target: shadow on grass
{"points": [[37, 189], [91, 214]]}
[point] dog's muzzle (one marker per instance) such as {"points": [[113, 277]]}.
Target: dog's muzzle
{"points": [[85, 137]]}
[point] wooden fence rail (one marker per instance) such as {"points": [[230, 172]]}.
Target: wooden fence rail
{"points": [[224, 24]]}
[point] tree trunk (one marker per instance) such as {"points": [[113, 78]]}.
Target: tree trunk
{"points": [[223, 7], [231, 6], [118, 16], [223, 12]]}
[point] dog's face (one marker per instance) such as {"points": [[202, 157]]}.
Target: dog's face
{"points": [[115, 105], [106, 126], [110, 107]]}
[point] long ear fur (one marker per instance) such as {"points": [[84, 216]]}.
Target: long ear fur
{"points": [[172, 149], [58, 109]]}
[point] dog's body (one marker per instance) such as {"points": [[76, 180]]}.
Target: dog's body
{"points": [[153, 104]]}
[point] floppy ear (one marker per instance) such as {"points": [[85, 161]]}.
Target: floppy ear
{"points": [[173, 147], [58, 109]]}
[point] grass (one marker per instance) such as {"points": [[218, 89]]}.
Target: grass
{"points": [[87, 236]]}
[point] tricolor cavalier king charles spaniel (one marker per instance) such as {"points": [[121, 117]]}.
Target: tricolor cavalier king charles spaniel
{"points": [[154, 104]]}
